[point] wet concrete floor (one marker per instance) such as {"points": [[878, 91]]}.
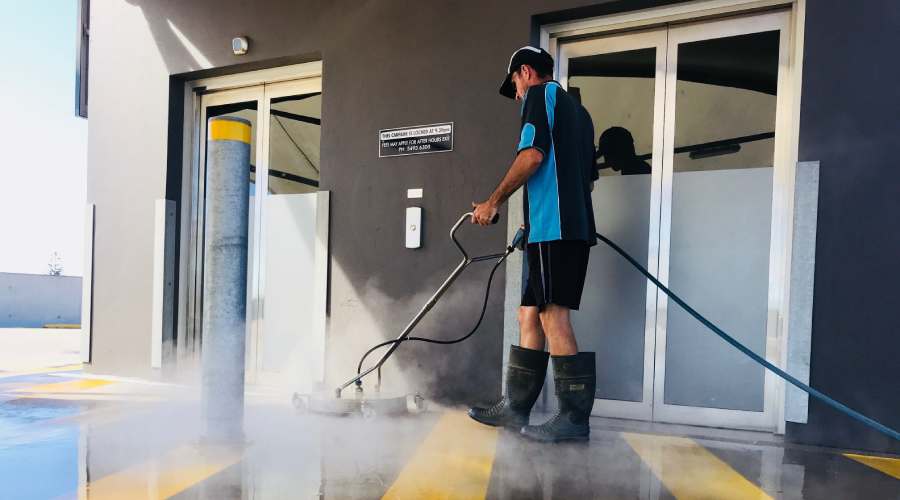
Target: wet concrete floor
{"points": [[66, 435]]}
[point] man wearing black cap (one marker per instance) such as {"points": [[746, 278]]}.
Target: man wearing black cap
{"points": [[559, 219]]}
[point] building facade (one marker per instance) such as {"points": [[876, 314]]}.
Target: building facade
{"points": [[742, 147]]}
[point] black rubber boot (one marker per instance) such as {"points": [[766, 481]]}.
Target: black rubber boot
{"points": [[524, 380], [576, 379]]}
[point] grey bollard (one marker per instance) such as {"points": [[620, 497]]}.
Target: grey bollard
{"points": [[225, 278]]}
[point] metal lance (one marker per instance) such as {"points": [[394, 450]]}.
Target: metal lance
{"points": [[225, 278]]}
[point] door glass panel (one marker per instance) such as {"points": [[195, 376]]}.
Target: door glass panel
{"points": [[617, 89], [248, 111], [295, 127], [721, 216], [289, 346]]}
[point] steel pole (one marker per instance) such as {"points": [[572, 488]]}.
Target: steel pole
{"points": [[225, 278]]}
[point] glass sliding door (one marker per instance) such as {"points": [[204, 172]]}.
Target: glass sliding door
{"points": [[620, 82], [291, 338], [722, 99], [287, 230], [690, 156]]}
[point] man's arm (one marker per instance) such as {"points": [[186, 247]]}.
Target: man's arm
{"points": [[525, 164]]}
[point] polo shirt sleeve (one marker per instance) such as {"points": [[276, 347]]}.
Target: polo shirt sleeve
{"points": [[536, 124]]}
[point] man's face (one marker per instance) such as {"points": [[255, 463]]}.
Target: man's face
{"points": [[520, 79]]}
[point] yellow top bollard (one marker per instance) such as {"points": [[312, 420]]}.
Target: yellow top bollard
{"points": [[225, 128]]}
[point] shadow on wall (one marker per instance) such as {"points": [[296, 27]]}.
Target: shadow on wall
{"points": [[376, 284], [195, 36]]}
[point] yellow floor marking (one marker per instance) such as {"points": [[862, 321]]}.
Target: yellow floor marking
{"points": [[68, 386], [95, 396], [39, 371], [454, 461], [96, 416], [890, 466], [690, 471], [163, 477]]}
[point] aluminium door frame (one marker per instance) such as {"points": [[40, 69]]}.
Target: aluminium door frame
{"points": [[550, 37], [193, 155], [739, 419], [655, 39], [307, 85], [553, 36]]}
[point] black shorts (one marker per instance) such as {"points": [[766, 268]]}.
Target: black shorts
{"points": [[553, 273]]}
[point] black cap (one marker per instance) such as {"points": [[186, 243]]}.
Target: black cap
{"points": [[539, 59]]}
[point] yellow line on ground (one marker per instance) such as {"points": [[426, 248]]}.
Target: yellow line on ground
{"points": [[95, 416], [454, 461], [38, 371], [165, 476], [95, 396], [890, 466], [66, 387], [689, 471]]}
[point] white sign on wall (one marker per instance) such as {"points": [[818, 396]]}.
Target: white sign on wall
{"points": [[419, 139]]}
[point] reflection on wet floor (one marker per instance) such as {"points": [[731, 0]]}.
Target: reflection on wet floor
{"points": [[602, 468], [107, 447]]}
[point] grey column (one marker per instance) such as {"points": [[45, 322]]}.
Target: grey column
{"points": [[803, 277], [225, 277]]}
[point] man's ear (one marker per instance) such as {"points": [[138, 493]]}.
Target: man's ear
{"points": [[527, 72]]}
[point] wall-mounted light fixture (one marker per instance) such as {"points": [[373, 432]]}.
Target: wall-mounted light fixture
{"points": [[239, 45]]}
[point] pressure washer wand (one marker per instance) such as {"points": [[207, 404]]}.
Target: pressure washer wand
{"points": [[466, 260], [406, 331]]}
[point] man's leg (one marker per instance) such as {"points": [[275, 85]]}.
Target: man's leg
{"points": [[531, 334], [563, 274], [574, 378], [558, 329], [525, 374]]}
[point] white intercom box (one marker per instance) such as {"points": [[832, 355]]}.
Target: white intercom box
{"points": [[413, 227]]}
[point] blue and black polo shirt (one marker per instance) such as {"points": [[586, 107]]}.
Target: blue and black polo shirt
{"points": [[558, 195]]}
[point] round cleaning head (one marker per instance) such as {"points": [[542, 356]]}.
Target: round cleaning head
{"points": [[367, 405]]}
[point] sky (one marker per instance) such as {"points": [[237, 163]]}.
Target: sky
{"points": [[43, 143]]}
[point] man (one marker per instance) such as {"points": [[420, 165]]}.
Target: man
{"points": [[560, 227]]}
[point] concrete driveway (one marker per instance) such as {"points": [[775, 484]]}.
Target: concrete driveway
{"points": [[25, 349]]}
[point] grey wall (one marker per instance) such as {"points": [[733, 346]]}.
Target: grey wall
{"points": [[386, 64], [849, 122], [33, 300]]}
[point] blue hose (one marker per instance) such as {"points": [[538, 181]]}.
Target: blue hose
{"points": [[837, 405]]}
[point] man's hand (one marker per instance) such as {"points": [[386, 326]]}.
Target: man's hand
{"points": [[483, 213]]}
